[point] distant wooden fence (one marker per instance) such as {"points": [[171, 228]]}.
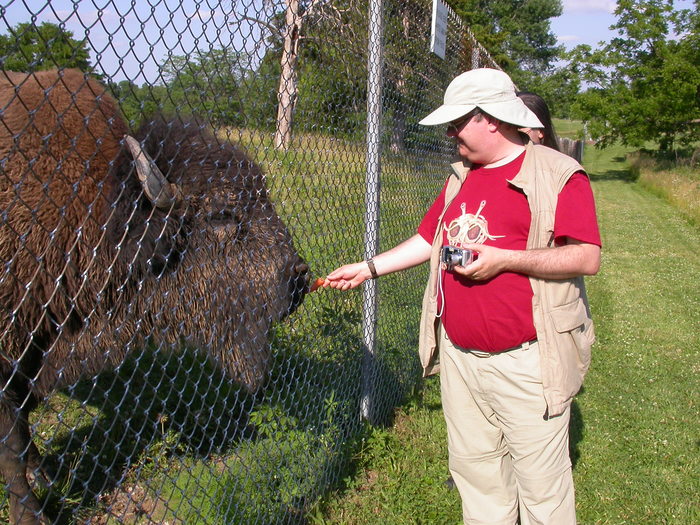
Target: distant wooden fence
{"points": [[573, 148]]}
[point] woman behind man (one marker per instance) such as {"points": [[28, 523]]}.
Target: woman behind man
{"points": [[546, 135]]}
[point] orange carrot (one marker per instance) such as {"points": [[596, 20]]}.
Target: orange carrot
{"points": [[317, 284]]}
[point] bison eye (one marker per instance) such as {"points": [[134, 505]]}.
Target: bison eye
{"points": [[224, 216], [227, 223]]}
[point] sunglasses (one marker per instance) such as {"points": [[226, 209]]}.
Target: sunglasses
{"points": [[456, 125]]}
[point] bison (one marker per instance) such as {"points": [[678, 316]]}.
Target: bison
{"points": [[106, 239]]}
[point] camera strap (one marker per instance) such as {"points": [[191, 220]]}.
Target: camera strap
{"points": [[440, 290]]}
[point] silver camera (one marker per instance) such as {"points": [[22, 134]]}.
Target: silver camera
{"points": [[453, 256]]}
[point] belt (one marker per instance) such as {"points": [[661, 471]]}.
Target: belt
{"points": [[481, 353]]}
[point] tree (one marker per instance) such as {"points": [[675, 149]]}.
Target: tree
{"points": [[518, 36], [332, 86], [320, 47], [289, 31], [205, 85], [28, 48], [516, 33], [559, 88], [138, 103], [644, 84]]}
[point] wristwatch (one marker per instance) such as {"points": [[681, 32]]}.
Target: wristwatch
{"points": [[372, 268]]}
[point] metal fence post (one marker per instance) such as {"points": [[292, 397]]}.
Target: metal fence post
{"points": [[374, 116], [476, 62], [186, 362]]}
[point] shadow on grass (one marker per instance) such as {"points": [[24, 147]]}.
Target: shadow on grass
{"points": [[576, 427], [624, 175], [612, 175], [602, 167], [327, 387], [114, 426], [159, 416]]}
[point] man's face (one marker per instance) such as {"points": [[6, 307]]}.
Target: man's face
{"points": [[471, 134]]}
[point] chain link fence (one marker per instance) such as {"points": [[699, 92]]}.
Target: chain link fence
{"points": [[162, 358]]}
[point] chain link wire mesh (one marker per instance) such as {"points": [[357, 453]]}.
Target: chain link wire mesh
{"points": [[162, 358]]}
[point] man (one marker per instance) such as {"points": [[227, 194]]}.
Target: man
{"points": [[512, 326]]}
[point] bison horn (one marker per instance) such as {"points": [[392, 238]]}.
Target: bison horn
{"points": [[159, 191]]}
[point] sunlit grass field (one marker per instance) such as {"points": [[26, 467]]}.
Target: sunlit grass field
{"points": [[676, 182], [572, 129], [167, 437], [635, 425]]}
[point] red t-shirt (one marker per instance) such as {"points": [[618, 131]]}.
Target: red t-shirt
{"points": [[495, 315]]}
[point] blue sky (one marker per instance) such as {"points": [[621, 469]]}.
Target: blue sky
{"points": [[584, 22], [587, 21], [177, 27], [129, 38]]}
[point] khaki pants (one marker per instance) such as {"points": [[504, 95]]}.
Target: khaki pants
{"points": [[506, 459]]}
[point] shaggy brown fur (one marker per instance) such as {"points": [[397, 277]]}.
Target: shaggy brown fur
{"points": [[91, 266]]}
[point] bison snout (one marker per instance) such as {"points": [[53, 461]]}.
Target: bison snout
{"points": [[301, 268], [298, 284]]}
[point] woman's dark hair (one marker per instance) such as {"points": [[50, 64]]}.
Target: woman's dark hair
{"points": [[538, 106]]}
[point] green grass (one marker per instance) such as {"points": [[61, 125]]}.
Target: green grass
{"points": [[171, 438], [675, 180], [572, 129], [635, 425], [196, 448]]}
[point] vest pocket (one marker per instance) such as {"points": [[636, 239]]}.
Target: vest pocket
{"points": [[569, 316], [573, 318]]}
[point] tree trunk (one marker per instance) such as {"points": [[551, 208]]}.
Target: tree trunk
{"points": [[287, 91]]}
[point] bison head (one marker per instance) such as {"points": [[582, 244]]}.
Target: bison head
{"points": [[225, 260]]}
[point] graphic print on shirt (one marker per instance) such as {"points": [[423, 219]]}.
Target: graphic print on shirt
{"points": [[468, 228]]}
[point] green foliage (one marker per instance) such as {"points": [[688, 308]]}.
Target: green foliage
{"points": [[138, 103], [558, 88], [516, 33], [208, 86], [408, 73], [303, 432], [644, 83], [330, 100], [331, 70], [205, 86], [258, 94], [274, 477], [28, 48]]}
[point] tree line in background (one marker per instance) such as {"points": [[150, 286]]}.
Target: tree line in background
{"points": [[643, 85]]}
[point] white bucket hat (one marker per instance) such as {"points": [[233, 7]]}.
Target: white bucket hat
{"points": [[492, 91]]}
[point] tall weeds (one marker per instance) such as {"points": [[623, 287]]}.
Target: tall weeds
{"points": [[676, 179]]}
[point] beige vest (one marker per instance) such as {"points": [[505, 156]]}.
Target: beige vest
{"points": [[560, 307]]}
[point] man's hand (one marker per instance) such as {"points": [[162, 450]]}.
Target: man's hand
{"points": [[488, 262], [562, 262], [348, 276], [411, 252]]}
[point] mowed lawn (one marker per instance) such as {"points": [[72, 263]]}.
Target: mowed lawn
{"points": [[635, 426]]}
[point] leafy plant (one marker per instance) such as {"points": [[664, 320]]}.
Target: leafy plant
{"points": [[643, 83], [28, 47]]}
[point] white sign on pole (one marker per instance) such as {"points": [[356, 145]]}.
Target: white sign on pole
{"points": [[438, 32]]}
